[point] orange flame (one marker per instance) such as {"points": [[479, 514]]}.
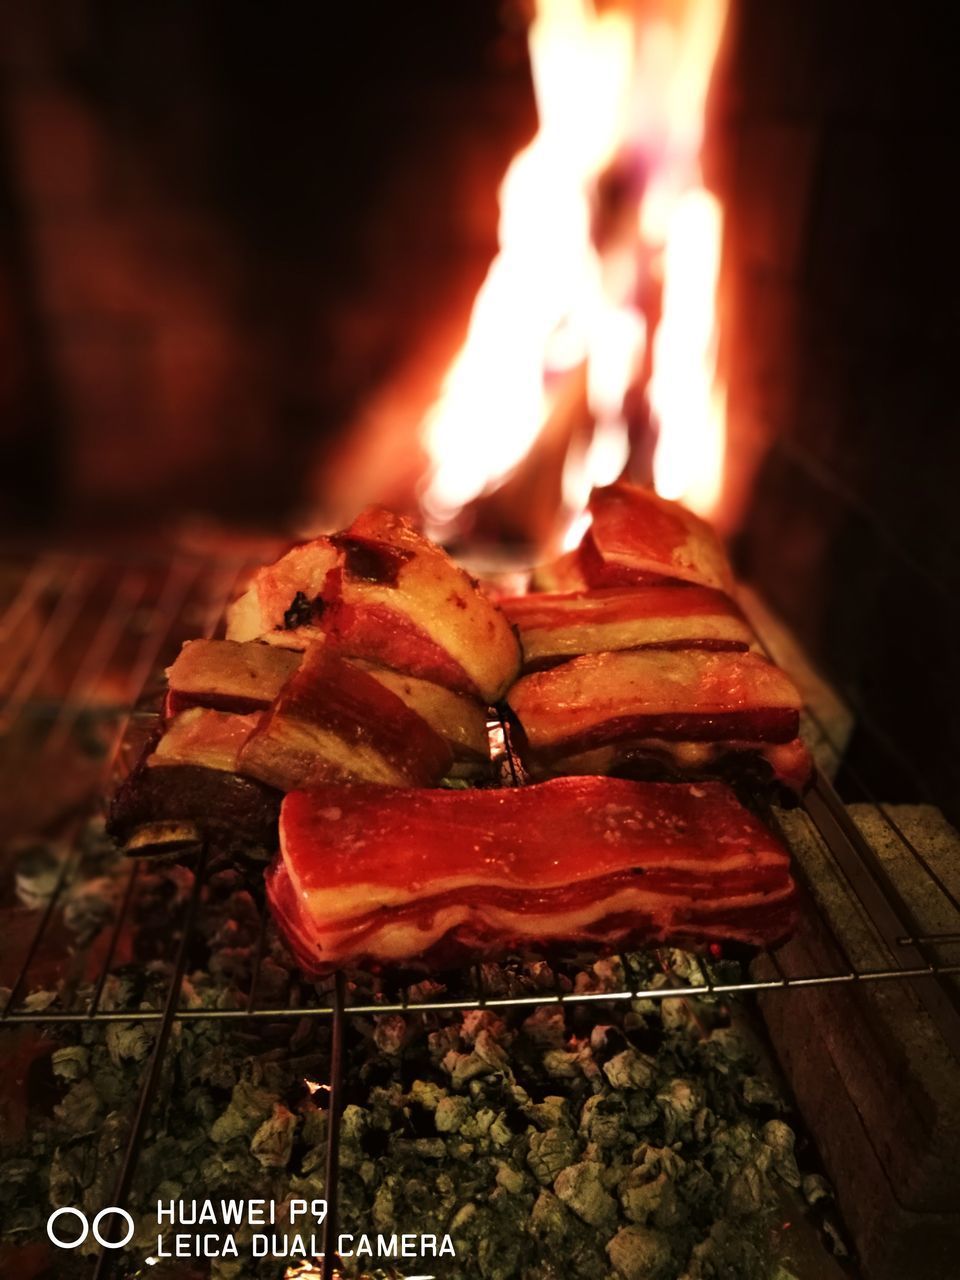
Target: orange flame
{"points": [[687, 400], [608, 84]]}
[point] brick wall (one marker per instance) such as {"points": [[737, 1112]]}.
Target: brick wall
{"points": [[833, 146]]}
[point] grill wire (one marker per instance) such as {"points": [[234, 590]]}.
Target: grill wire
{"points": [[151, 606]]}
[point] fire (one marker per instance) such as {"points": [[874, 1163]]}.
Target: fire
{"points": [[533, 316], [687, 400], [619, 87]]}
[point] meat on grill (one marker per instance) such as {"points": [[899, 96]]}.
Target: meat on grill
{"points": [[186, 788], [556, 626], [385, 594], [384, 876], [637, 700], [634, 538], [333, 721], [226, 675]]}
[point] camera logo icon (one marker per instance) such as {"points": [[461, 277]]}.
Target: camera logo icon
{"points": [[85, 1227]]}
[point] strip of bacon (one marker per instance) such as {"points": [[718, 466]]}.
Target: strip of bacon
{"points": [[634, 533], [383, 876], [388, 595], [334, 721], [226, 676], [556, 626]]}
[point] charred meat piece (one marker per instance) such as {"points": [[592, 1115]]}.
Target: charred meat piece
{"points": [[389, 595], [227, 676], [625, 699], [186, 789], [333, 721], [284, 602], [383, 876], [246, 677], [554, 627]]}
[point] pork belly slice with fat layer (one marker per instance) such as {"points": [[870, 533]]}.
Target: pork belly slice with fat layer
{"points": [[384, 876], [389, 595], [227, 676], [333, 721], [684, 695], [556, 626], [460, 720], [635, 533]]}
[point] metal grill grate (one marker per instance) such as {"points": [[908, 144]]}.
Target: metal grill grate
{"points": [[83, 639]]}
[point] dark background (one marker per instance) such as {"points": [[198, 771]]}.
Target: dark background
{"points": [[225, 226], [833, 146]]}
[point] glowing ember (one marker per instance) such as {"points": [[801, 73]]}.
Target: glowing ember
{"points": [[618, 92]]}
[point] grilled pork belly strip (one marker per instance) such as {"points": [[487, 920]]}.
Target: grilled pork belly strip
{"points": [[684, 695], [459, 720], [333, 721], [382, 875], [205, 737], [388, 595], [555, 626]]}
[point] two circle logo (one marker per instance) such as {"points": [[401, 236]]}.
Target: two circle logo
{"points": [[86, 1227]]}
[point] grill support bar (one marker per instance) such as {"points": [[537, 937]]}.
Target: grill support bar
{"points": [[332, 1167], [884, 906], [148, 1091]]}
